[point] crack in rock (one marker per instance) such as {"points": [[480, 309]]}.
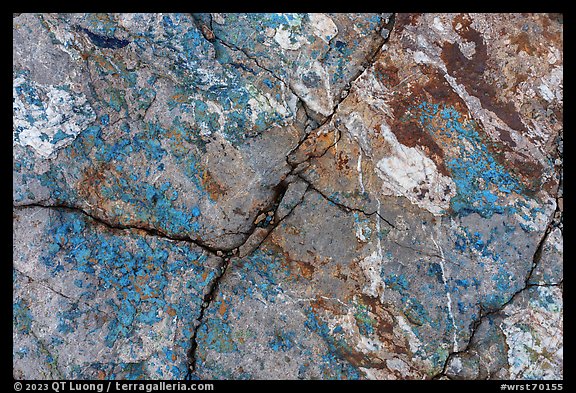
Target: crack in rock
{"points": [[313, 107], [206, 301], [149, 231], [279, 190], [483, 314]]}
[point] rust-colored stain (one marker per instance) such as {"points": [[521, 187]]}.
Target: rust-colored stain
{"points": [[94, 179], [405, 19], [385, 325], [338, 273], [103, 62], [171, 311], [407, 129], [292, 230], [222, 308], [342, 161], [320, 305], [506, 137], [522, 41], [387, 75], [471, 74], [315, 144], [180, 98], [464, 20], [306, 269], [214, 189]]}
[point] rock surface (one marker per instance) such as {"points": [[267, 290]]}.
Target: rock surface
{"points": [[288, 196]]}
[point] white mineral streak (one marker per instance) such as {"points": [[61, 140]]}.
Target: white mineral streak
{"points": [[372, 265], [347, 322], [68, 42], [422, 58], [349, 325], [218, 18], [448, 297], [407, 171], [359, 169], [214, 107], [438, 24], [397, 364], [372, 373], [359, 132], [285, 295], [468, 49], [489, 120], [557, 240], [551, 86], [378, 242], [323, 27], [284, 36], [429, 55], [264, 103], [336, 135], [456, 365], [546, 93], [365, 344], [36, 125], [360, 227], [534, 337], [413, 341]]}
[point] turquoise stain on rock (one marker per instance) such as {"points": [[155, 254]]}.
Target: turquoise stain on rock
{"points": [[332, 366], [217, 336], [133, 273], [481, 182], [363, 320], [267, 270], [282, 341], [22, 317], [397, 282]]}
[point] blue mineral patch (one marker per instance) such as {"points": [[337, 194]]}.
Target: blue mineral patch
{"points": [[67, 319], [22, 317], [282, 341], [333, 366], [435, 270], [217, 335], [397, 282], [28, 92], [264, 270], [157, 205], [480, 180], [102, 24], [135, 269], [363, 320]]}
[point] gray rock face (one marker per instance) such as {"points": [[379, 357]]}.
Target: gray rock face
{"points": [[288, 196]]}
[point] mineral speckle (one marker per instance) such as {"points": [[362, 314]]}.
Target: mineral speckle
{"points": [[287, 196]]}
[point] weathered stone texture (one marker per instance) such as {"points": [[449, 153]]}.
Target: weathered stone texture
{"points": [[282, 196]]}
